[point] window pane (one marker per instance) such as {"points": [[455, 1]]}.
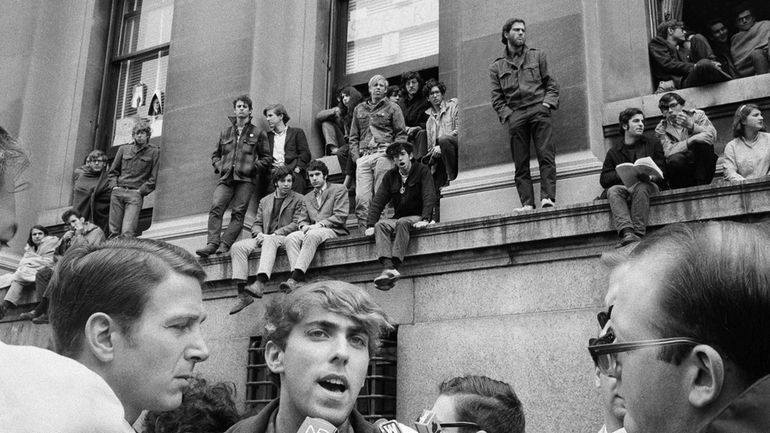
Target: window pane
{"points": [[146, 23], [386, 32], [141, 81]]}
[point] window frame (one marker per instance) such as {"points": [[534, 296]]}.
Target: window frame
{"points": [[339, 30], [106, 121]]}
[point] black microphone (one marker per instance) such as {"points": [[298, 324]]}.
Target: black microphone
{"points": [[316, 425]]}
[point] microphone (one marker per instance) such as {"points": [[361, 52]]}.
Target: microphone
{"points": [[384, 426], [316, 425]]}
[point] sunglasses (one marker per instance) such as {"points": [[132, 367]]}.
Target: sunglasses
{"points": [[426, 423]]}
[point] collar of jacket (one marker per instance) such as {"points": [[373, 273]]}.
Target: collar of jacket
{"points": [[381, 102], [746, 413], [443, 107], [234, 121], [509, 57]]}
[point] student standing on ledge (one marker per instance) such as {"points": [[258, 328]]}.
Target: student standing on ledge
{"points": [[237, 159], [523, 94], [132, 177]]}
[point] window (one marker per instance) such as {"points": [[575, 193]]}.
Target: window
{"points": [[385, 37], [376, 400], [384, 32], [140, 64], [696, 14]]}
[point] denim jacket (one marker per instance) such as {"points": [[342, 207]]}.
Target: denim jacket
{"points": [[135, 167], [375, 126]]}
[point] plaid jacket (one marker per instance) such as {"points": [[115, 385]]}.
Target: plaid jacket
{"points": [[240, 155]]}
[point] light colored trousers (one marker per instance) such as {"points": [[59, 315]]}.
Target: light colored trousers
{"points": [[301, 247], [239, 254]]}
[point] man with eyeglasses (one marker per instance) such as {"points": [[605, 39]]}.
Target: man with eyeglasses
{"points": [[688, 137], [613, 406], [749, 45], [688, 336], [475, 404], [91, 190], [668, 63]]}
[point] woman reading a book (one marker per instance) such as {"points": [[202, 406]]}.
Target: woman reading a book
{"points": [[747, 156]]}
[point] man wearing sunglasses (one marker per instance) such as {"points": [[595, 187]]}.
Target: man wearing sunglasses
{"points": [[688, 337], [687, 137], [474, 404]]}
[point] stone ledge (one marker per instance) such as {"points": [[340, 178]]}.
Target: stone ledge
{"points": [[731, 93], [561, 227]]}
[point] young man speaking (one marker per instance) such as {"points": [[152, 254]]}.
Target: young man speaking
{"points": [[319, 340]]}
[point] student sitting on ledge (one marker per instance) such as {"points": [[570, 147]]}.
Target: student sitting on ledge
{"points": [[748, 155]]}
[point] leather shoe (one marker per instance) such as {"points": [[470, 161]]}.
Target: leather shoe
{"points": [[40, 320], [289, 285], [387, 279], [206, 251], [244, 300], [255, 289], [29, 315], [223, 249], [628, 238]]}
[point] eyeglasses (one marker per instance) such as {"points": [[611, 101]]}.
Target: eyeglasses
{"points": [[427, 423], [605, 353], [98, 160], [669, 106], [744, 18]]}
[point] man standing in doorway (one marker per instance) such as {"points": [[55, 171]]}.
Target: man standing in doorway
{"points": [[132, 177], [523, 94]]}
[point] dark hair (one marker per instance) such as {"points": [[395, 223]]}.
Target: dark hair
{"points": [[85, 283], [142, 126], [355, 99], [395, 148], [507, 28], [406, 76], [68, 213], [714, 22], [334, 296], [279, 173], [715, 289], [742, 7], [317, 165], [244, 98], [663, 27], [740, 116], [392, 90], [626, 115], [205, 409], [668, 97], [491, 404], [96, 154], [35, 227], [278, 110], [430, 84]]}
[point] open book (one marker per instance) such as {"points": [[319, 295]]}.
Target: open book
{"points": [[628, 172]]}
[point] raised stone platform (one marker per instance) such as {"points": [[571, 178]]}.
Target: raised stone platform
{"points": [[511, 296]]}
